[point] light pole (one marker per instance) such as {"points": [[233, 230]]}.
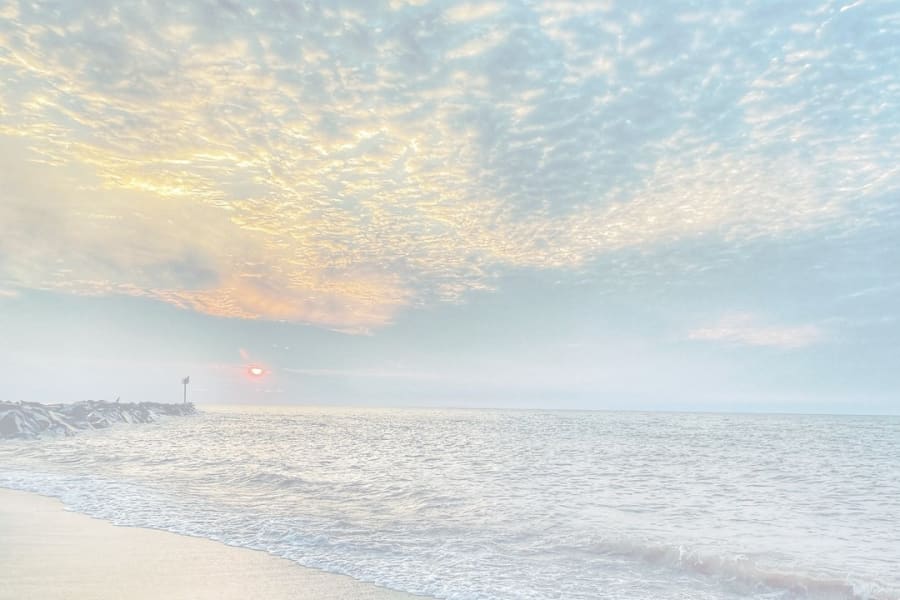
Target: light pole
{"points": [[185, 383]]}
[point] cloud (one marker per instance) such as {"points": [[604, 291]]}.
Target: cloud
{"points": [[285, 161], [747, 330], [465, 12]]}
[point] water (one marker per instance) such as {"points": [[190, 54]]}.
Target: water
{"points": [[510, 504]]}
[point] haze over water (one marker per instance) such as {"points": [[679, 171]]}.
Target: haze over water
{"points": [[492, 504]]}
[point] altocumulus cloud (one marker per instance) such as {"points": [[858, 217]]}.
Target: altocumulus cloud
{"points": [[333, 164]]}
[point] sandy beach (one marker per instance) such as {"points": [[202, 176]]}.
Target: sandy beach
{"points": [[50, 553]]}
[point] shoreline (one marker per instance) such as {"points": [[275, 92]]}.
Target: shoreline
{"points": [[50, 552]]}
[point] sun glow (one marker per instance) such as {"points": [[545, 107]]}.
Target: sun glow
{"points": [[255, 371]]}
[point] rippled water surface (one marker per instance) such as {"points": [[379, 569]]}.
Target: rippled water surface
{"points": [[510, 504]]}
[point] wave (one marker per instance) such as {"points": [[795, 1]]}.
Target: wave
{"points": [[275, 480], [743, 572], [742, 575], [512, 517]]}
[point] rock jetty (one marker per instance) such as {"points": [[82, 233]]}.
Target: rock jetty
{"points": [[32, 419]]}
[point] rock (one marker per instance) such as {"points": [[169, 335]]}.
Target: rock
{"points": [[10, 424], [31, 419]]}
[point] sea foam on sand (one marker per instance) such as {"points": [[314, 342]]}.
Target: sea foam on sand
{"points": [[47, 552]]}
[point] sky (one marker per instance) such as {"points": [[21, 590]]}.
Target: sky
{"points": [[688, 205]]}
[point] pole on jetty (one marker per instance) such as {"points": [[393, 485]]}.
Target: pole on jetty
{"points": [[185, 383]]}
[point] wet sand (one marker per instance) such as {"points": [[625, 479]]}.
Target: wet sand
{"points": [[50, 553]]}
